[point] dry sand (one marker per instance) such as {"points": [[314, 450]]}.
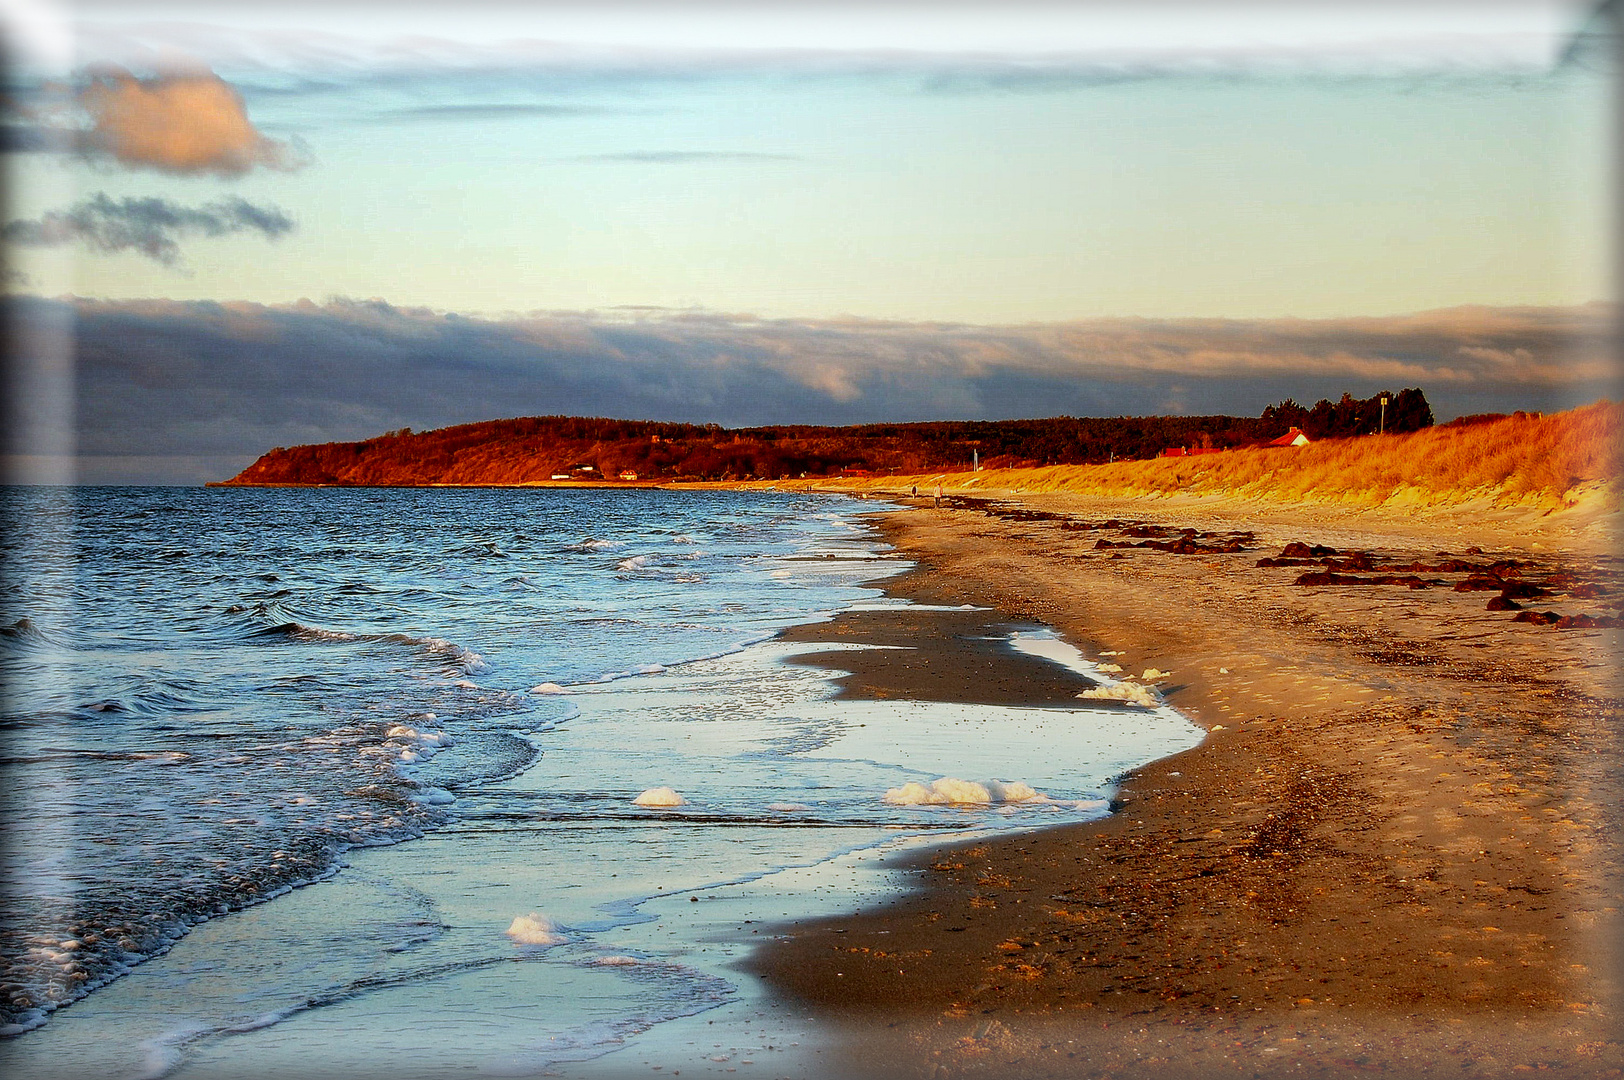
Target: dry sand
{"points": [[1395, 853]]}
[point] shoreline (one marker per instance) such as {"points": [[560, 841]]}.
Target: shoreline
{"points": [[1396, 849], [432, 909]]}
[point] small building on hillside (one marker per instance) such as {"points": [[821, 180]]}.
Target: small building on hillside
{"points": [[628, 475], [1294, 437]]}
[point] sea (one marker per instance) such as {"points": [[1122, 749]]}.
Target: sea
{"points": [[429, 782]]}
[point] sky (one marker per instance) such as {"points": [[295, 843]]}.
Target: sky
{"points": [[256, 226]]}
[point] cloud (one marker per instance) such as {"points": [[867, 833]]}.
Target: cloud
{"points": [[33, 139], [151, 226], [487, 111], [800, 36], [685, 157], [176, 123], [161, 383]]}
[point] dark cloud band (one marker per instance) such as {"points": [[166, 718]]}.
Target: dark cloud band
{"points": [[165, 382]]}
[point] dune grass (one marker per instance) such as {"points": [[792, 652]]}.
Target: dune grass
{"points": [[1528, 459]]}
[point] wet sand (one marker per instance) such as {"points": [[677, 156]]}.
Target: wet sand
{"points": [[1395, 853]]}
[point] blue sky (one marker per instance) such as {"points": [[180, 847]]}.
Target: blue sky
{"points": [[1039, 165]]}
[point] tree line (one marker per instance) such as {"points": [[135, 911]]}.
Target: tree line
{"points": [[539, 447]]}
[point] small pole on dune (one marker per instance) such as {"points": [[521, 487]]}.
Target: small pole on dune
{"points": [[1382, 430]]}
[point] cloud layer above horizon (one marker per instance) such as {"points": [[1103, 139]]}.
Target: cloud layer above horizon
{"points": [[181, 392]]}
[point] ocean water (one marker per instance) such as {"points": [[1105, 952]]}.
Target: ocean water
{"points": [[570, 701]]}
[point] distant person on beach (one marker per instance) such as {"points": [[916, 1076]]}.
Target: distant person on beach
{"points": [[938, 503]]}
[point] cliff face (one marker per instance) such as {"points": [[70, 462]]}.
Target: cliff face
{"points": [[540, 448], [493, 452]]}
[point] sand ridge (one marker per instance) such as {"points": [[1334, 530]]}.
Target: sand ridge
{"points": [[1396, 851]]}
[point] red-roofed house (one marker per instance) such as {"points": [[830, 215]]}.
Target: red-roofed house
{"points": [[1294, 437]]}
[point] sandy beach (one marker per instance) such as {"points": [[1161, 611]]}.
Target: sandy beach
{"points": [[1395, 853]]}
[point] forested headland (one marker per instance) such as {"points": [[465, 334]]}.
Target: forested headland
{"points": [[580, 449]]}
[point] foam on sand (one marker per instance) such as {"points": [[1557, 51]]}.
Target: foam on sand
{"points": [[1129, 693], [660, 797], [534, 929], [951, 791]]}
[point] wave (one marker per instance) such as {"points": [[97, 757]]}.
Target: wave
{"points": [[485, 550], [650, 564], [271, 619], [165, 1053], [144, 694], [25, 634], [458, 656], [592, 543]]}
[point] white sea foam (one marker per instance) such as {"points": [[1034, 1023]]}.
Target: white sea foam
{"points": [[617, 961], [547, 688], [787, 807], [1152, 674], [433, 796], [951, 791], [636, 562], [534, 929], [317, 633], [470, 662], [1130, 693], [660, 797], [163, 1053], [420, 743], [635, 669]]}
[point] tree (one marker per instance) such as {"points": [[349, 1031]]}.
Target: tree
{"points": [[1409, 411]]}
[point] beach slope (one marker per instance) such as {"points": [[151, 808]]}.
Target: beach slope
{"points": [[1394, 853]]}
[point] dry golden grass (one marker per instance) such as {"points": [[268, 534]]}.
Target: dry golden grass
{"points": [[1533, 460]]}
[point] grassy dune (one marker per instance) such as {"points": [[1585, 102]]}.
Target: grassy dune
{"points": [[1530, 460]]}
